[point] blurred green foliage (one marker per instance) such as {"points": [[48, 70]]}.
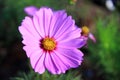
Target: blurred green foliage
{"points": [[106, 51], [71, 75]]}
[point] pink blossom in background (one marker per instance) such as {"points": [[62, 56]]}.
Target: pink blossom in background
{"points": [[51, 41], [30, 10], [91, 36], [86, 34]]}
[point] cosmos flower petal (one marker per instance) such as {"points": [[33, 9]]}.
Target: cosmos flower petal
{"points": [[91, 36], [73, 53], [47, 20], [27, 28], [30, 10], [38, 26], [67, 35], [30, 41], [71, 57], [74, 43], [66, 26], [57, 19], [62, 67], [67, 40], [26, 34], [34, 58], [42, 20], [30, 50], [39, 67], [50, 65]]}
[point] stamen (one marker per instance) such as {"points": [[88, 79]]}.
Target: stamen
{"points": [[48, 44], [85, 30]]}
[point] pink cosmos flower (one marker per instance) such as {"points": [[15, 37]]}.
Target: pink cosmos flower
{"points": [[30, 10], [51, 41], [87, 34]]}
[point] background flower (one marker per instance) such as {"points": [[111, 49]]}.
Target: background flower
{"points": [[30, 10], [87, 34]]}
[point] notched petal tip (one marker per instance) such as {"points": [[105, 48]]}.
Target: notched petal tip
{"points": [[40, 72], [59, 11], [25, 20], [44, 9]]}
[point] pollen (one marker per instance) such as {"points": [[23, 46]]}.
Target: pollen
{"points": [[85, 30], [48, 44]]}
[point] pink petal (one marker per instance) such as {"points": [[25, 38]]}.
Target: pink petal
{"points": [[50, 65], [71, 39], [30, 10], [34, 58], [27, 29], [71, 57], [66, 26], [39, 67], [91, 36], [74, 43], [42, 20], [72, 34], [30, 41], [31, 49], [61, 66], [57, 19], [26, 34], [39, 27]]}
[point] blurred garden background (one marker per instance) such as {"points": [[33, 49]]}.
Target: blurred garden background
{"points": [[101, 59]]}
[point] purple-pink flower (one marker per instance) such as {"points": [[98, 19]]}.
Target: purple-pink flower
{"points": [[51, 41], [30, 10], [87, 34]]}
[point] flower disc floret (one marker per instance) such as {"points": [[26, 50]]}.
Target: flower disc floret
{"points": [[85, 30], [48, 44]]}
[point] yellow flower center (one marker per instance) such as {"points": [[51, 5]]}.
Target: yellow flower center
{"points": [[48, 44], [85, 30]]}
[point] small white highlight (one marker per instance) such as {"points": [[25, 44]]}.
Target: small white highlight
{"points": [[110, 5]]}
